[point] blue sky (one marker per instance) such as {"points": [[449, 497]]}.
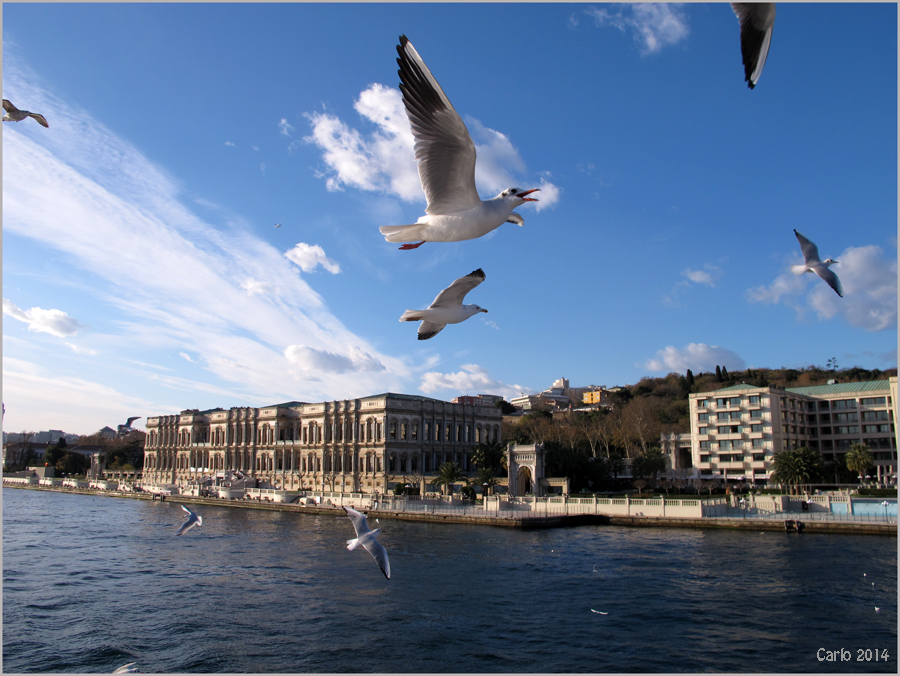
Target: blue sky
{"points": [[143, 272]]}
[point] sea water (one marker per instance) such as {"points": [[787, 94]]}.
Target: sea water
{"points": [[93, 582]]}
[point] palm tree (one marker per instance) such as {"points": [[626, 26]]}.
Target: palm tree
{"points": [[859, 459], [795, 466], [486, 479], [489, 455], [448, 474]]}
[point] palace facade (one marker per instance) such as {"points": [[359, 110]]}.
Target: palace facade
{"points": [[353, 446]]}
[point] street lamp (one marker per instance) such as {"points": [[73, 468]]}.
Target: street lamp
{"points": [[743, 506], [885, 505]]}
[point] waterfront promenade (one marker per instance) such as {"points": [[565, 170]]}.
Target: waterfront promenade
{"points": [[530, 512]]}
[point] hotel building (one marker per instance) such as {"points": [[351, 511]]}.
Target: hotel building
{"points": [[737, 430], [354, 446]]}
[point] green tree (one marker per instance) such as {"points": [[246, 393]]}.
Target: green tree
{"points": [[647, 463], [796, 466], [690, 380], [54, 453], [448, 474], [859, 459], [486, 478], [489, 455], [505, 407]]}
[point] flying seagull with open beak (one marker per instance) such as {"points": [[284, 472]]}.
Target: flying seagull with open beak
{"points": [[447, 308], [446, 157], [367, 537], [757, 20], [13, 114], [812, 263]]}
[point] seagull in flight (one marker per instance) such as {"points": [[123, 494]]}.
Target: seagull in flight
{"points": [[191, 520], [447, 308], [128, 669], [446, 156], [366, 537], [757, 20], [812, 263], [13, 114], [599, 612], [278, 225]]}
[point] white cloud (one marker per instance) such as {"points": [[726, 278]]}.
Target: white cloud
{"points": [[55, 322], [311, 361], [698, 357], [869, 281], [37, 400], [308, 256], [78, 349], [253, 286], [385, 160], [652, 25], [285, 127], [229, 143], [472, 379], [185, 356], [94, 198], [709, 275]]}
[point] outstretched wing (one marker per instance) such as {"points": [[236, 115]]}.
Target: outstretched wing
{"points": [[810, 250], [360, 523], [377, 550], [454, 294], [429, 330], [8, 106], [757, 20], [40, 118], [131, 420], [444, 150], [828, 275]]}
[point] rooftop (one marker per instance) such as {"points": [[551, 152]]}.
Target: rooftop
{"points": [[843, 388]]}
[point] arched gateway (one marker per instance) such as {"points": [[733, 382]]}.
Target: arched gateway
{"points": [[525, 465]]}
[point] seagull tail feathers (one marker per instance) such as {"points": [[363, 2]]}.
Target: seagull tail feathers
{"points": [[410, 316], [798, 269], [352, 544], [403, 233]]}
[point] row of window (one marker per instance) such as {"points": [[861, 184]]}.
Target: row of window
{"points": [[728, 402], [787, 403], [733, 429], [734, 457], [729, 444]]}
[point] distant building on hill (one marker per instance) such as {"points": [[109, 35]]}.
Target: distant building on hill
{"points": [[736, 431]]}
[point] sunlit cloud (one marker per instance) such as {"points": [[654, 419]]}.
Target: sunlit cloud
{"points": [[698, 357], [192, 287], [868, 278], [229, 143], [709, 275], [384, 160], [312, 361], [471, 379], [55, 322], [80, 349], [285, 127], [310, 256], [186, 356], [652, 25]]}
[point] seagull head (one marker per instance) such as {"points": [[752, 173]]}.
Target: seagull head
{"points": [[474, 309], [517, 197], [829, 261]]}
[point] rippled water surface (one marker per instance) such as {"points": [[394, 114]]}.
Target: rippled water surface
{"points": [[90, 583]]}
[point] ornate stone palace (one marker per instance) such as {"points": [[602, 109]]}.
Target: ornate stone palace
{"points": [[353, 446]]}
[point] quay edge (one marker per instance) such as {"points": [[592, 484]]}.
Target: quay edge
{"points": [[522, 522]]}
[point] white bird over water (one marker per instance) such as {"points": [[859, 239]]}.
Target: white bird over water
{"points": [[366, 537], [13, 114], [447, 308], [757, 20], [446, 156], [129, 668], [192, 519], [812, 263], [599, 612]]}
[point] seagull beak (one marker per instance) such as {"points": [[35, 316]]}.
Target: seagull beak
{"points": [[483, 310], [522, 197]]}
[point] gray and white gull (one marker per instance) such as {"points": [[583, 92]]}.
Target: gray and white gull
{"points": [[757, 20], [447, 308], [192, 519], [367, 537], [446, 157], [13, 114], [812, 263]]}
